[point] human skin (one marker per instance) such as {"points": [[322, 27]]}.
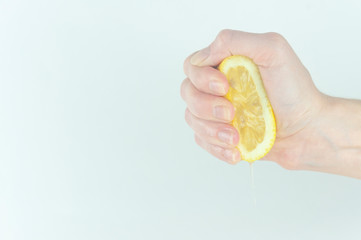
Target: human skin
{"points": [[314, 131]]}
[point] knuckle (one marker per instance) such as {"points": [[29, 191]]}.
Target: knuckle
{"points": [[198, 104], [183, 88], [205, 128], [185, 65], [201, 127], [188, 117], [198, 140], [274, 36], [276, 41], [219, 152], [223, 37], [209, 131], [225, 34]]}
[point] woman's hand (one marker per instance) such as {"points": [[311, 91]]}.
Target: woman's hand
{"points": [[301, 111]]}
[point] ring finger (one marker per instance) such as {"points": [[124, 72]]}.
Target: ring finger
{"points": [[220, 134]]}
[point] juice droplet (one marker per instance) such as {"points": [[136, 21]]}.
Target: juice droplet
{"points": [[253, 187]]}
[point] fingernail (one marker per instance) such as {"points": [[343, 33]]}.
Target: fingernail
{"points": [[199, 56], [217, 87], [226, 136], [222, 113]]}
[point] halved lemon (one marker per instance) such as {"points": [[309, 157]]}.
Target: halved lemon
{"points": [[254, 118]]}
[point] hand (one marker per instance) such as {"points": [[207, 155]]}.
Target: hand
{"points": [[295, 100]]}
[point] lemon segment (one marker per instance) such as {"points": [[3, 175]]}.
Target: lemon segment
{"points": [[254, 118]]}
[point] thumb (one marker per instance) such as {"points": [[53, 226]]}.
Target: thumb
{"points": [[231, 42]]}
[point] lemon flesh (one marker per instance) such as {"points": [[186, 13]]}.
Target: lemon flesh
{"points": [[254, 118]]}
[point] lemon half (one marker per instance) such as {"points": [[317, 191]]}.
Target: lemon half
{"points": [[254, 118]]}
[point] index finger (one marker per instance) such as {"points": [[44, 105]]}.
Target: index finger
{"points": [[206, 79]]}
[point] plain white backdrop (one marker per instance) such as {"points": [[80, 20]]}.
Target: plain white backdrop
{"points": [[93, 142]]}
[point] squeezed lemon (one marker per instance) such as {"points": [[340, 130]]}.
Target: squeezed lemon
{"points": [[254, 118]]}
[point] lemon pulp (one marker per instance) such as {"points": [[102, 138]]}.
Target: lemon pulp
{"points": [[254, 118]]}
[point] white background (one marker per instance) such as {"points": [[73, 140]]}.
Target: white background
{"points": [[93, 142]]}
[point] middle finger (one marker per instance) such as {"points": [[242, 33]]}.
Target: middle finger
{"points": [[205, 106]]}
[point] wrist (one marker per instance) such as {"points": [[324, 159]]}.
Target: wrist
{"points": [[336, 138]]}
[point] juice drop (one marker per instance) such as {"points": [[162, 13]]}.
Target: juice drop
{"points": [[253, 188]]}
